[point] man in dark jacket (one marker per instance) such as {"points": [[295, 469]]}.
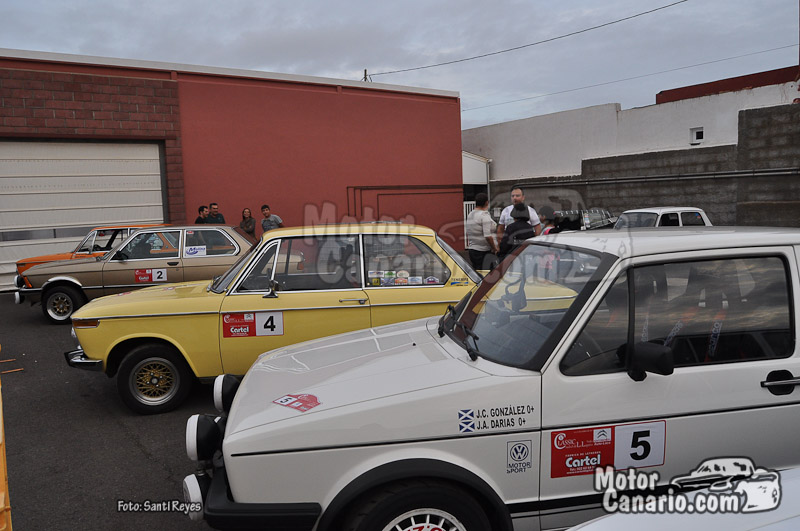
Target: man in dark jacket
{"points": [[517, 232]]}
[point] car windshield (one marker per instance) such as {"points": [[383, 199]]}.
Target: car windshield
{"points": [[524, 306], [629, 220], [221, 283]]}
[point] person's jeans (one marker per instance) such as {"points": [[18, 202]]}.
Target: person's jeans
{"points": [[482, 259]]}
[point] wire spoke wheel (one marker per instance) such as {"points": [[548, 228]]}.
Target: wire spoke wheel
{"points": [[153, 378], [154, 381], [425, 520]]}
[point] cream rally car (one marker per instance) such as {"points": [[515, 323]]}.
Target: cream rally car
{"points": [[635, 349]]}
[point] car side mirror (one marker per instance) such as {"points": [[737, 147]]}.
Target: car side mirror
{"points": [[119, 255], [273, 290], [650, 357]]}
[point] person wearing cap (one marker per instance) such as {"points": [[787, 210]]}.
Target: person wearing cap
{"points": [[547, 218], [517, 198], [517, 232]]}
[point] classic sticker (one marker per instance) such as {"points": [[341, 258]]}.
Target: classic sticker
{"points": [[301, 403], [194, 250], [252, 324], [150, 275], [580, 451], [494, 418]]}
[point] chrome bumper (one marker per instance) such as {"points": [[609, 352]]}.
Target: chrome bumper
{"points": [[77, 359]]}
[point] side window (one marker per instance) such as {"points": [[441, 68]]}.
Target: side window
{"points": [[399, 260], [669, 220], [87, 243], [258, 279], [106, 239], [151, 245], [599, 346], [318, 263], [207, 243], [691, 218]]}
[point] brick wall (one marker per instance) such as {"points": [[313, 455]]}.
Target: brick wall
{"points": [[70, 106]]}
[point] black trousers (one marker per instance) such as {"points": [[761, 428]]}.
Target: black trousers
{"points": [[482, 259]]}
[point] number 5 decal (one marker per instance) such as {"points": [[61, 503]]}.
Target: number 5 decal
{"points": [[269, 323], [639, 445]]}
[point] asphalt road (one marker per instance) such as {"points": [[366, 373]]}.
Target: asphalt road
{"points": [[74, 450]]}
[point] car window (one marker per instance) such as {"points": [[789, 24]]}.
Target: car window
{"points": [[669, 219], [629, 220], [397, 260], [258, 279], [713, 311], [691, 218], [87, 243], [458, 259], [208, 242], [151, 245], [318, 263]]}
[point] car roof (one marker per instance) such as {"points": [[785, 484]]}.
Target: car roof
{"points": [[661, 210], [130, 226], [350, 228], [627, 243]]}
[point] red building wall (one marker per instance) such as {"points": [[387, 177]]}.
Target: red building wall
{"points": [[300, 146]]}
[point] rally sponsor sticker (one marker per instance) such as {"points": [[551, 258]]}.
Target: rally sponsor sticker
{"points": [[252, 324], [580, 451], [194, 250], [431, 280], [374, 282], [150, 275], [414, 281], [400, 281], [494, 418], [375, 274], [402, 274], [387, 281], [300, 403]]}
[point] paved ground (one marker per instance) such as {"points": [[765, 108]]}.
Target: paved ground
{"points": [[74, 450]]}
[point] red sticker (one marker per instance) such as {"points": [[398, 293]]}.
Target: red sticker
{"points": [[578, 452], [238, 325], [299, 402]]}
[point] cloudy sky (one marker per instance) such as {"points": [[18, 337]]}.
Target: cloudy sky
{"points": [[692, 41]]}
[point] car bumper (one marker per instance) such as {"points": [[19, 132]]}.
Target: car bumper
{"points": [[77, 359], [221, 512]]}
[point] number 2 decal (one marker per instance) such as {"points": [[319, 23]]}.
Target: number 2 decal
{"points": [[159, 274]]}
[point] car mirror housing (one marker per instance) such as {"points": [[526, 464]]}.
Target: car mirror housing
{"points": [[650, 357], [273, 290]]}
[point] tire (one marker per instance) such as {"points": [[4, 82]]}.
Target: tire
{"points": [[153, 379], [60, 302], [420, 505]]}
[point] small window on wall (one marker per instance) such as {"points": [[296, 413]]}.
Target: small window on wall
{"points": [[398, 260], [696, 135]]}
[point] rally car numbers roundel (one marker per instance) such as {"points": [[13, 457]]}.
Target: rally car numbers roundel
{"points": [[580, 451], [252, 324]]}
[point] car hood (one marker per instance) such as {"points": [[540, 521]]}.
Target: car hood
{"points": [[154, 300], [45, 258], [65, 267], [383, 384]]}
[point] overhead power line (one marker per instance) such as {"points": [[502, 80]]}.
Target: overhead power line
{"points": [[627, 78], [531, 44]]}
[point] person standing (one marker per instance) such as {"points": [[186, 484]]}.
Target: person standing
{"points": [[202, 210], [248, 223], [517, 198], [516, 232], [214, 215], [270, 221], [481, 244], [546, 217]]}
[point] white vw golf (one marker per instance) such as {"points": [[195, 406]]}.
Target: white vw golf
{"points": [[630, 349]]}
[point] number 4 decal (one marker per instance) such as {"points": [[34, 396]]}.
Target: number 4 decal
{"points": [[639, 445], [269, 323]]}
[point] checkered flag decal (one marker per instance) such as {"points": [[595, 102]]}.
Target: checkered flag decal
{"points": [[466, 421]]}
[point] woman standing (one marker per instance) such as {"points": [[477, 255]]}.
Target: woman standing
{"points": [[248, 223]]}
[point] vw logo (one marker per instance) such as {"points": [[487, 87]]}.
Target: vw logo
{"points": [[519, 452]]}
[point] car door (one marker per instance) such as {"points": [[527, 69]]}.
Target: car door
{"points": [[148, 258], [729, 319], [203, 251], [319, 293], [406, 279]]}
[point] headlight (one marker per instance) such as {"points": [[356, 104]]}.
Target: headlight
{"points": [[18, 282], [203, 437], [225, 387], [195, 489]]}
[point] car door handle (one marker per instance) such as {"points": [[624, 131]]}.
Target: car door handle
{"points": [[780, 382], [360, 301], [173, 263]]}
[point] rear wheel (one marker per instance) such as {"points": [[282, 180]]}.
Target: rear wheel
{"points": [[60, 302], [419, 505], [153, 379]]}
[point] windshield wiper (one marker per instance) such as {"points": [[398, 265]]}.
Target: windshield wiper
{"points": [[450, 310], [468, 333]]}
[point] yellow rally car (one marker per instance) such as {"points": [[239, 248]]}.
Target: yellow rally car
{"points": [[298, 284]]}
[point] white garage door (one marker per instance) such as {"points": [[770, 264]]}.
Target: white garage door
{"points": [[53, 193]]}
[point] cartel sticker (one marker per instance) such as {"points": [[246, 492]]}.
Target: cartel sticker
{"points": [[194, 250], [494, 418], [150, 275], [578, 452], [298, 402], [252, 324]]}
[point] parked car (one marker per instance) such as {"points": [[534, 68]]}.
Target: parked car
{"points": [[586, 219], [149, 257], [99, 241], [682, 345], [300, 283], [663, 217]]}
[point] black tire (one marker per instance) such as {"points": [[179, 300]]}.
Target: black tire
{"points": [[60, 302], [393, 507], [153, 378]]}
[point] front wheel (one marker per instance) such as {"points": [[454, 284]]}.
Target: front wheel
{"points": [[419, 506], [60, 302], [153, 379]]}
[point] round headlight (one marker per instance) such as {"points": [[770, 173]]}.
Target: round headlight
{"points": [[203, 437], [225, 387], [195, 489]]}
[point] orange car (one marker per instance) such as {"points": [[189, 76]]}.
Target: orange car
{"points": [[99, 241]]}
